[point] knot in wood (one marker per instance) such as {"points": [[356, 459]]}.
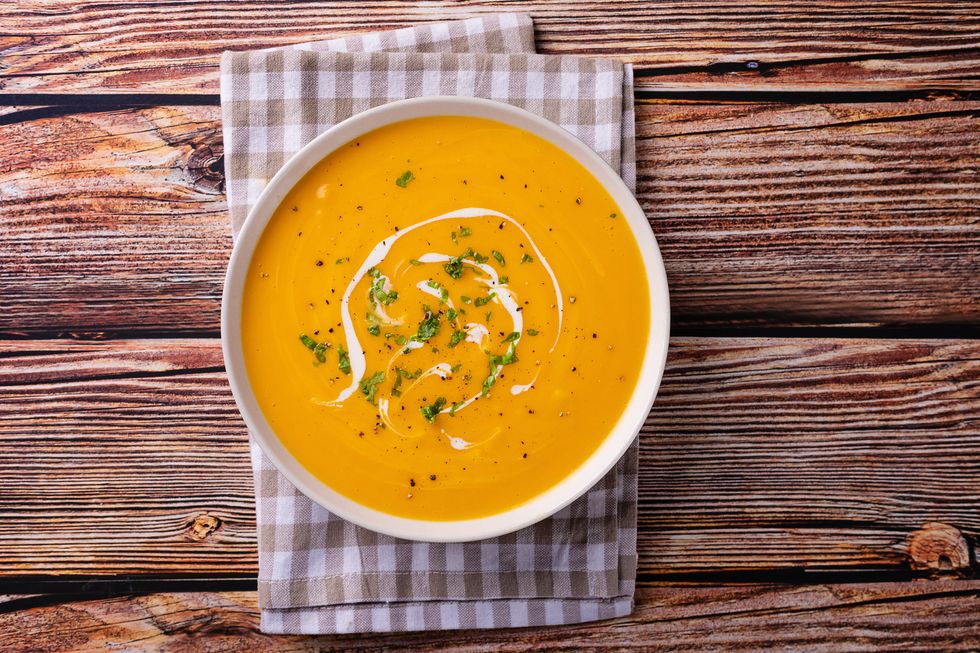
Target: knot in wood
{"points": [[938, 547], [206, 166], [202, 526]]}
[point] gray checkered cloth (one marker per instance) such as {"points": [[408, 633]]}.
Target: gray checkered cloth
{"points": [[317, 572]]}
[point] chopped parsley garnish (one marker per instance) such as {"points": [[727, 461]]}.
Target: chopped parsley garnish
{"points": [[514, 335], [430, 412], [321, 352], [454, 267], [504, 279], [369, 386], [308, 341], [428, 327], [443, 293], [399, 375], [344, 362], [466, 300], [465, 231], [479, 258], [377, 293], [451, 314], [526, 258], [456, 338], [342, 260], [405, 178], [415, 261], [374, 330], [483, 301], [456, 406], [533, 332], [488, 382], [500, 257], [453, 236], [401, 340], [455, 368]]}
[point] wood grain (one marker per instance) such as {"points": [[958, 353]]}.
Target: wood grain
{"points": [[129, 457], [925, 616], [767, 215], [174, 46]]}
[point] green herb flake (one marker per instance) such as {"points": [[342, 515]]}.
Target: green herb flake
{"points": [[342, 260], [428, 327], [456, 406], [451, 314], [527, 258], [374, 330], [500, 257], [400, 375], [369, 386], [465, 231], [512, 336], [456, 338], [344, 362], [479, 258], [430, 412], [320, 351], [454, 267], [415, 261], [532, 332], [455, 368], [488, 382], [454, 238], [613, 215], [401, 340], [405, 179], [308, 341], [505, 279], [483, 301], [466, 300]]}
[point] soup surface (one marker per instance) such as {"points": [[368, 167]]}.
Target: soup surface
{"points": [[445, 318]]}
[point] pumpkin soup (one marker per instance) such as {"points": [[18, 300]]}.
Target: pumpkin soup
{"points": [[444, 318]]}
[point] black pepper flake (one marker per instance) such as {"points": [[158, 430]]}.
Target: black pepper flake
{"points": [[360, 208], [595, 335], [573, 369], [319, 264], [316, 332], [295, 208], [432, 477], [501, 176], [330, 330], [524, 456], [578, 200], [300, 233], [411, 482]]}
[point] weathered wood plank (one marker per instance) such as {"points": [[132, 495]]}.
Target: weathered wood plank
{"points": [[929, 616], [128, 457], [767, 214], [174, 47]]}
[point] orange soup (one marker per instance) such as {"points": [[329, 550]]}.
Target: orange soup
{"points": [[445, 318]]}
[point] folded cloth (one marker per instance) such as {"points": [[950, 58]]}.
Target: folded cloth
{"points": [[317, 572]]}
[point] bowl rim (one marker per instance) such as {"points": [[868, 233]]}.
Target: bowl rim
{"points": [[580, 479]]}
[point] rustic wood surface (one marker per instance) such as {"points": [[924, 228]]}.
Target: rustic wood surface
{"points": [[760, 454], [923, 616], [164, 46], [812, 173], [767, 214]]}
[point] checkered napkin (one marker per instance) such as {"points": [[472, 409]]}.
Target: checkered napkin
{"points": [[317, 572]]}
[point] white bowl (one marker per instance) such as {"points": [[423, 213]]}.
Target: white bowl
{"points": [[579, 480]]}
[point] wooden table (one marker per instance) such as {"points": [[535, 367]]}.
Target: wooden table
{"points": [[811, 471]]}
